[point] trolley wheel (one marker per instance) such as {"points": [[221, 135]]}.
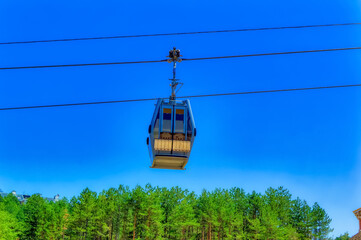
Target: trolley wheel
{"points": [[147, 140], [149, 129], [195, 132]]}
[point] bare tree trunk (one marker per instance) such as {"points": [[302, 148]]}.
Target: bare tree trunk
{"points": [[86, 227], [148, 223], [203, 233], [209, 231], [135, 221], [111, 231]]}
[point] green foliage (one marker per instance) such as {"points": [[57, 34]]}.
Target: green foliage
{"points": [[8, 224], [320, 222], [161, 213], [40, 219], [85, 216], [344, 236]]}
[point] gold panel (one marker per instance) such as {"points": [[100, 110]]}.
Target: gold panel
{"points": [[162, 145], [179, 111], [166, 145], [181, 146], [167, 110], [169, 162]]}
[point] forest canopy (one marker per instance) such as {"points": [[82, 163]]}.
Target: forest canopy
{"points": [[162, 213]]}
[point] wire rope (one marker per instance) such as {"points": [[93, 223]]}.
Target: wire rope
{"points": [[191, 96], [184, 59], [179, 33]]}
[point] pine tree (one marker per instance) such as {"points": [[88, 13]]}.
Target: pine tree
{"points": [[9, 226], [344, 236], [123, 219], [301, 219], [12, 205], [253, 225], [108, 202], [169, 199], [60, 218], [320, 222], [84, 216], [138, 211], [239, 220], [206, 210], [183, 217], [154, 213], [159, 213], [38, 218], [279, 201], [256, 230]]}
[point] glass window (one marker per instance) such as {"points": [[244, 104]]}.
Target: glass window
{"points": [[156, 127], [189, 126], [179, 120], [167, 120]]}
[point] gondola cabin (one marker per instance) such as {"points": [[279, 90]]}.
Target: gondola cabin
{"points": [[171, 134]]}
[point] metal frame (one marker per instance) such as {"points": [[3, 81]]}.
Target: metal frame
{"points": [[163, 158]]}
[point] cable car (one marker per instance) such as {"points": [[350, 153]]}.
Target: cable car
{"points": [[172, 129], [171, 134]]}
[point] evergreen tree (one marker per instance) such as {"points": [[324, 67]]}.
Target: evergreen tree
{"points": [[9, 226], [207, 214], [344, 236], [253, 226], [38, 218], [11, 204], [239, 218], [154, 213], [107, 204], [84, 216], [124, 218], [60, 218], [183, 217], [169, 199], [320, 222], [159, 213], [138, 211], [301, 219], [279, 201]]}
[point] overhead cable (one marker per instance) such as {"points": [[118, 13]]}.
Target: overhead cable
{"points": [[192, 96], [82, 64], [179, 33], [272, 54], [272, 91], [184, 59]]}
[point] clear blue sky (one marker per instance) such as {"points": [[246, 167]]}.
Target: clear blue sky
{"points": [[308, 142]]}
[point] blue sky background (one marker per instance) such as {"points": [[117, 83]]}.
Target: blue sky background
{"points": [[308, 142]]}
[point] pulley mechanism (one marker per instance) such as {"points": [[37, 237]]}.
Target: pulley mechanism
{"points": [[172, 130], [174, 56]]}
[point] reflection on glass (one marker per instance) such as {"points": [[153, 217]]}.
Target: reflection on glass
{"points": [[179, 120], [167, 120], [156, 127], [189, 125]]}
